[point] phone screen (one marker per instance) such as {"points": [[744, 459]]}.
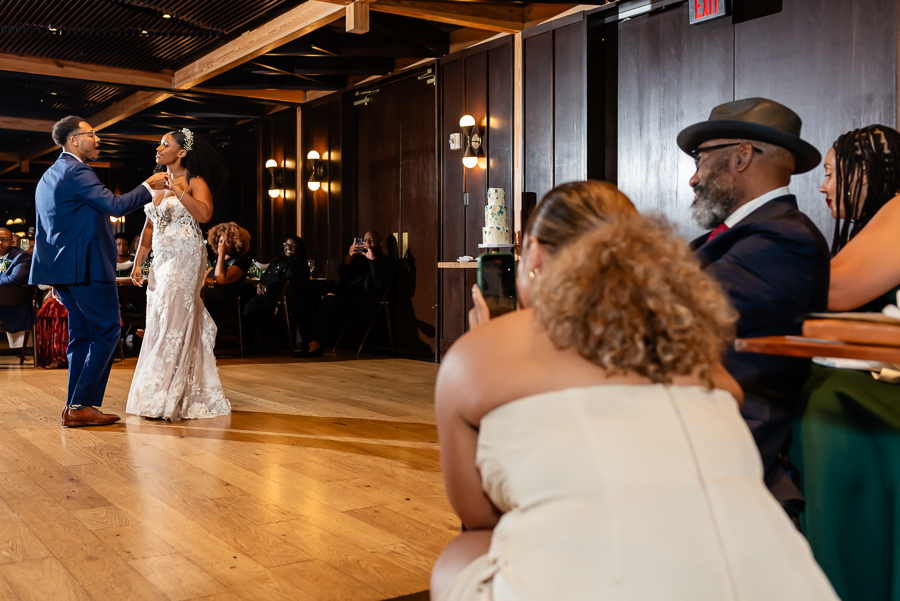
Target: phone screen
{"points": [[497, 280]]}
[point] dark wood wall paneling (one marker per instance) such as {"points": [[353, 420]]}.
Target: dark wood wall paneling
{"points": [[477, 82], [276, 217], [831, 61], [556, 97], [398, 196], [239, 199], [323, 219]]}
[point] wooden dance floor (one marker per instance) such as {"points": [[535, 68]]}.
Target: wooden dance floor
{"points": [[324, 484]]}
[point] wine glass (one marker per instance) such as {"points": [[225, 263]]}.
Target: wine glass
{"points": [[312, 266]]}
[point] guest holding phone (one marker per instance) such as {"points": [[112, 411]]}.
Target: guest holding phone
{"points": [[365, 274], [591, 442], [849, 439]]}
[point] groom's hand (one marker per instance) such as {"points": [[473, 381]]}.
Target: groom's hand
{"points": [[157, 181]]}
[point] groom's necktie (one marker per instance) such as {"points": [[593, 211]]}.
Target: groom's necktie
{"points": [[719, 229]]}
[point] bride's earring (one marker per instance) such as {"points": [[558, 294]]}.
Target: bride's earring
{"points": [[534, 272]]}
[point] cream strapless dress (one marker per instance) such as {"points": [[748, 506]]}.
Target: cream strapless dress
{"points": [[632, 493]]}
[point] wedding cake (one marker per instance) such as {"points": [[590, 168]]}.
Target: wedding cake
{"points": [[496, 218]]}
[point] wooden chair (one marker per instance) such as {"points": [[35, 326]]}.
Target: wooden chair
{"points": [[12, 296], [281, 306], [385, 304], [131, 295]]}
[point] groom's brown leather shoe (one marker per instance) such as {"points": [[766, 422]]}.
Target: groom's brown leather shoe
{"points": [[87, 416]]}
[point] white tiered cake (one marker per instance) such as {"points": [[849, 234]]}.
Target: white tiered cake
{"points": [[496, 221]]}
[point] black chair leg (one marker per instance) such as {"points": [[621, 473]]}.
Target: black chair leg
{"points": [[24, 348], [240, 328], [387, 316], [341, 335], [34, 345], [290, 332]]}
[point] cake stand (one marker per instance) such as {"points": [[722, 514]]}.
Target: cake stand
{"points": [[496, 248]]}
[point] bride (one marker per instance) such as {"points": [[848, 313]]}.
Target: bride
{"points": [[176, 375]]}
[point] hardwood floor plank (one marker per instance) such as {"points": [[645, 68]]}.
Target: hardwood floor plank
{"points": [[101, 572], [424, 536], [41, 580], [327, 583], [388, 578], [133, 542], [18, 543], [177, 577], [107, 516], [6, 592]]}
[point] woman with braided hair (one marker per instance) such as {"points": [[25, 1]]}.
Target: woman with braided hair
{"points": [[848, 446], [176, 375]]}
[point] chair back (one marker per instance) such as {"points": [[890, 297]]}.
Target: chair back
{"points": [[13, 296]]}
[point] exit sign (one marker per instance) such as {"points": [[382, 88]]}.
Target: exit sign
{"points": [[706, 10]]}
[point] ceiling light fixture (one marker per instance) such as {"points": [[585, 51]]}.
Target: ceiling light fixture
{"points": [[166, 16], [52, 28]]}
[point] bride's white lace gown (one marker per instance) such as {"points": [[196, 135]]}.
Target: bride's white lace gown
{"points": [[176, 375]]}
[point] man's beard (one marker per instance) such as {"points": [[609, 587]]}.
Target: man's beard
{"points": [[713, 202]]}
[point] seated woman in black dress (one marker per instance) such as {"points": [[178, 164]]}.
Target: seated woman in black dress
{"points": [[291, 269], [230, 243], [848, 446]]}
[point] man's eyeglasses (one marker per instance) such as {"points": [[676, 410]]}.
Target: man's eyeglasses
{"points": [[5, 239], [698, 151], [368, 239], [83, 133]]}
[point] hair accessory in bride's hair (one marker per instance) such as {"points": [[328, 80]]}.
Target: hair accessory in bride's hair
{"points": [[188, 139]]}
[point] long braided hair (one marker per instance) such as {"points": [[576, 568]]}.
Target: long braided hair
{"points": [[873, 152]]}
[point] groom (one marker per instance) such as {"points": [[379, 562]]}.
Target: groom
{"points": [[75, 253]]}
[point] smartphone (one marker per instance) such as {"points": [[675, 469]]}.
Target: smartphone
{"points": [[360, 246], [497, 281]]}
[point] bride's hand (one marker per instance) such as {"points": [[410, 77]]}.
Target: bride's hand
{"points": [[137, 278], [171, 185], [479, 313]]}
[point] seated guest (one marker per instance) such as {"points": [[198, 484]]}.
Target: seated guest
{"points": [[289, 268], [850, 432], [590, 442], [123, 250], [365, 274], [15, 267], [769, 257], [230, 243]]}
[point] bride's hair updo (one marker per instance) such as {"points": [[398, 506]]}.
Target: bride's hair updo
{"points": [[202, 160], [623, 289]]}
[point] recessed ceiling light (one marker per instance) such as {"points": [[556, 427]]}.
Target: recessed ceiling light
{"points": [[52, 28], [143, 32], [167, 16], [53, 93]]}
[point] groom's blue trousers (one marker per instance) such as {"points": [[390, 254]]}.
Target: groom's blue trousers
{"points": [[94, 331]]}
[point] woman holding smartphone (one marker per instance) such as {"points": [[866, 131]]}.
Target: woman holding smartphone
{"points": [[591, 441]]}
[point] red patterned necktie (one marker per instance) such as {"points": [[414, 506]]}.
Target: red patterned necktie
{"points": [[719, 229]]}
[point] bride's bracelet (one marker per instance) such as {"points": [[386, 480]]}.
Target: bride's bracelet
{"points": [[182, 194]]}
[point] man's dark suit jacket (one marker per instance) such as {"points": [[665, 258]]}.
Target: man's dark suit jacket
{"points": [[73, 241], [774, 266], [21, 317]]}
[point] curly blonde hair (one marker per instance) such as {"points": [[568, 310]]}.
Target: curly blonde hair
{"points": [[571, 210], [233, 233], [628, 296]]}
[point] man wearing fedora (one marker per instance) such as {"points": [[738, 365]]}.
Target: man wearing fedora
{"points": [[770, 258]]}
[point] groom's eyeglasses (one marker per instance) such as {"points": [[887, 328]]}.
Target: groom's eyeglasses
{"points": [[5, 239], [84, 133]]}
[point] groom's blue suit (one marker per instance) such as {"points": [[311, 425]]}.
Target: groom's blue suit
{"points": [[75, 252]]}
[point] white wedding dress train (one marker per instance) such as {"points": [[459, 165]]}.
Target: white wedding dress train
{"points": [[176, 375]]}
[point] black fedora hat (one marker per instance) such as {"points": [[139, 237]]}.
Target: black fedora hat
{"points": [[758, 119]]}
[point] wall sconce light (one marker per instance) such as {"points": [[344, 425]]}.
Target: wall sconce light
{"points": [[317, 166], [275, 178], [473, 141]]}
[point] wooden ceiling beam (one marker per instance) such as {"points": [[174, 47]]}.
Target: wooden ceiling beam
{"points": [[288, 27], [49, 67], [293, 96], [504, 18], [9, 157], [25, 124]]}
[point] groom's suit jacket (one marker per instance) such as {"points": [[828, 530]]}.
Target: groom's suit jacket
{"points": [[73, 241], [774, 265]]}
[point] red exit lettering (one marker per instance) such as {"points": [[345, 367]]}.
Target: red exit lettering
{"points": [[706, 8]]}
